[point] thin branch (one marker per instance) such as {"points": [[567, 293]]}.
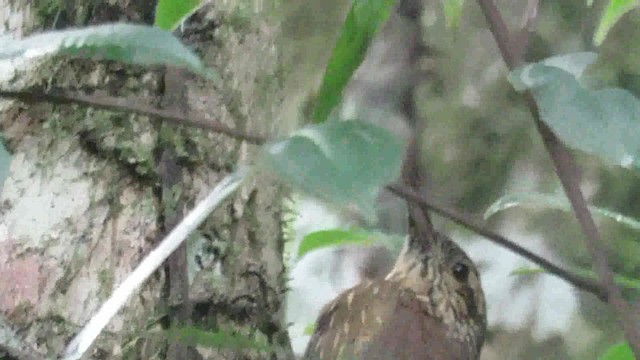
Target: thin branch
{"points": [[569, 174], [579, 282], [129, 105]]}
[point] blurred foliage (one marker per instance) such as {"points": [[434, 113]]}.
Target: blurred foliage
{"points": [[620, 351], [558, 202], [361, 24], [613, 12], [480, 141]]}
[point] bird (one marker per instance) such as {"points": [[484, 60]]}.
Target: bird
{"points": [[430, 306]]}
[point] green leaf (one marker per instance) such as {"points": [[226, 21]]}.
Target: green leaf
{"points": [[309, 329], [358, 29], [344, 163], [537, 200], [619, 351], [600, 122], [613, 12], [452, 10], [325, 238], [169, 13], [621, 280], [128, 43], [574, 63], [223, 339], [527, 271]]}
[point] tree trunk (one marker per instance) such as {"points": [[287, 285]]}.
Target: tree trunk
{"points": [[90, 192]]}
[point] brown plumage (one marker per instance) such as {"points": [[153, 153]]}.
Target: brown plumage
{"points": [[429, 307]]}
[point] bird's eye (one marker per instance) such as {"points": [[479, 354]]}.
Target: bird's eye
{"points": [[460, 272]]}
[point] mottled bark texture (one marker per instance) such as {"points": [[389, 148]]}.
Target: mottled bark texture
{"points": [[91, 191]]}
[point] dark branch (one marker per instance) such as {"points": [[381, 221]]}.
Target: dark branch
{"points": [[579, 282], [129, 105], [569, 174]]}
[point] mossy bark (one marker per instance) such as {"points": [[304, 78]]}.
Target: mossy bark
{"points": [[84, 201]]}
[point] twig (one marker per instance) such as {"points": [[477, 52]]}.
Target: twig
{"points": [[126, 104], [579, 282], [569, 174]]}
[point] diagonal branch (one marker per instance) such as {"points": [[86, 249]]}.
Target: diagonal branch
{"points": [[129, 105], [578, 281], [569, 174]]}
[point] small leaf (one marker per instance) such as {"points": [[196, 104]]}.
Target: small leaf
{"points": [[358, 29], [527, 271], [613, 12], [619, 351], [537, 200], [169, 13], [128, 43], [342, 162], [325, 238], [309, 329], [600, 122], [222, 339], [621, 280], [452, 10]]}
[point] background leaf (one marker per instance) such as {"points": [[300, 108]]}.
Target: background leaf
{"points": [[612, 13], [324, 238], [600, 122], [624, 281], [342, 162], [620, 351], [363, 19], [128, 43], [574, 63], [537, 200], [169, 13], [452, 10]]}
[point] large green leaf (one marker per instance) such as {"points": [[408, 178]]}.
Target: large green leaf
{"points": [[358, 29], [619, 351], [612, 13], [134, 44], [342, 162], [600, 122], [169, 13], [537, 200]]}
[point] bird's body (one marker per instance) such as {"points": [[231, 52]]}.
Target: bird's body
{"points": [[429, 307]]}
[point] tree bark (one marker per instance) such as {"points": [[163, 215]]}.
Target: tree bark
{"points": [[90, 192]]}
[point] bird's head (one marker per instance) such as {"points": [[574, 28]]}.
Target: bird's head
{"points": [[448, 283]]}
